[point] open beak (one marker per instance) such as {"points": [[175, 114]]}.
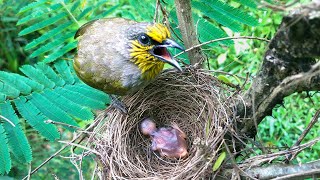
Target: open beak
{"points": [[160, 51]]}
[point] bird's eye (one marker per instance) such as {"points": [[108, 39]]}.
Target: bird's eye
{"points": [[144, 39]]}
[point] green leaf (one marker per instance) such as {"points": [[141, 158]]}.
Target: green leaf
{"points": [[75, 6], [80, 98], [15, 81], [36, 119], [142, 6], [37, 75], [219, 161], [90, 9], [43, 24], [60, 52], [3, 97], [104, 14], [207, 31], [231, 12], [217, 16], [33, 84], [47, 35], [8, 90], [50, 110], [68, 106], [32, 6], [60, 39], [38, 14], [64, 71], [249, 3], [17, 140], [5, 160], [224, 79], [89, 92], [50, 73]]}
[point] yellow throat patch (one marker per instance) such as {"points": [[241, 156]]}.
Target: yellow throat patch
{"points": [[149, 65]]}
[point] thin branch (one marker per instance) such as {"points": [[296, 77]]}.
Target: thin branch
{"points": [[303, 135], [303, 174], [186, 25], [235, 163], [71, 15], [80, 146], [59, 151], [305, 132], [29, 171], [257, 160], [222, 39], [284, 171], [49, 121], [156, 11]]}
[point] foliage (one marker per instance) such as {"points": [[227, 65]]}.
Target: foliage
{"points": [[46, 91], [58, 20], [282, 129], [213, 19], [50, 89], [52, 92], [11, 51], [287, 122]]}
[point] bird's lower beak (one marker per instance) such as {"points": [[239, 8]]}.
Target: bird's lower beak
{"points": [[161, 52]]}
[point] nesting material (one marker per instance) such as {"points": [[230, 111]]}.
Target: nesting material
{"points": [[168, 141], [196, 101]]}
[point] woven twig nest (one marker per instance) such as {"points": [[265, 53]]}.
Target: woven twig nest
{"points": [[195, 100]]}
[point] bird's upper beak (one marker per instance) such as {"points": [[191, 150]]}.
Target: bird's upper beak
{"points": [[160, 51]]}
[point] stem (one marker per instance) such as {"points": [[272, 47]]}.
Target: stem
{"points": [[186, 25]]}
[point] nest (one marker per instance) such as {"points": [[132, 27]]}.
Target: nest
{"points": [[197, 102]]}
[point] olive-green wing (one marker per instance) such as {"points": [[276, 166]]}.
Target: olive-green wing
{"points": [[83, 28]]}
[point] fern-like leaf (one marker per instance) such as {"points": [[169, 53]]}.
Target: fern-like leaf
{"points": [[80, 98], [217, 16], [32, 6], [49, 109], [17, 140], [37, 76], [43, 24], [60, 39], [231, 12], [5, 160], [48, 35], [89, 9], [36, 119], [35, 86], [15, 81], [38, 14], [8, 90], [57, 54], [91, 92], [50, 73], [107, 12], [64, 71], [71, 108], [3, 97], [249, 3], [207, 31], [44, 91]]}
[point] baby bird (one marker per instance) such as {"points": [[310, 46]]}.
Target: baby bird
{"points": [[168, 141]]}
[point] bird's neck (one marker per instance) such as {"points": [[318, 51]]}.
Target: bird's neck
{"points": [[150, 66]]}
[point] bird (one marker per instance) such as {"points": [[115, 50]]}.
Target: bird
{"points": [[120, 56], [169, 141]]}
